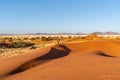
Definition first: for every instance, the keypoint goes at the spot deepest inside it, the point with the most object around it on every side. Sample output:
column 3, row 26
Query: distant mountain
column 106, row 33
column 57, row 34
column 80, row 33
column 112, row 33
column 97, row 33
column 6, row 34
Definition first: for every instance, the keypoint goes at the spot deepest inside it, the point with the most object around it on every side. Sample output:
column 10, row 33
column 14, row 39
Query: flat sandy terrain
column 92, row 60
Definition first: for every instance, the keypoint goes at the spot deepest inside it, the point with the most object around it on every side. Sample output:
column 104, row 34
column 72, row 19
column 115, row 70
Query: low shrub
column 16, row 45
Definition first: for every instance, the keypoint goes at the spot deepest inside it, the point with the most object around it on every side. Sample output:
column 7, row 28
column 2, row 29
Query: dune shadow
column 103, row 54
column 54, row 53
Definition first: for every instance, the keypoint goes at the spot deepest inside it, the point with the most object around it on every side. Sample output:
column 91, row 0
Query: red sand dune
column 93, row 60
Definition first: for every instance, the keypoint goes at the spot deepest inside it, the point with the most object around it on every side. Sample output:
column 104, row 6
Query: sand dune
column 93, row 60
column 8, row 65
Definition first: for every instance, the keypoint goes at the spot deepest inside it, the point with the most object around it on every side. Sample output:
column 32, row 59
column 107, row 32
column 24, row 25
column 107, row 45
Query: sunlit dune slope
column 109, row 48
column 8, row 65
column 93, row 60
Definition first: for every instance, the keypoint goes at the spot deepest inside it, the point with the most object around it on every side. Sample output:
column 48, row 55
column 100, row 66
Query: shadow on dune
column 55, row 52
column 103, row 54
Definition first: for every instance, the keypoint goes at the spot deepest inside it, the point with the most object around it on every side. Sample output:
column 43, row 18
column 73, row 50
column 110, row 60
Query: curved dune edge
column 9, row 64
column 109, row 48
column 23, row 62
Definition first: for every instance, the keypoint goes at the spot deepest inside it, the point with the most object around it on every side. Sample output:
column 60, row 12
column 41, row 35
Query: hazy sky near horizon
column 54, row 16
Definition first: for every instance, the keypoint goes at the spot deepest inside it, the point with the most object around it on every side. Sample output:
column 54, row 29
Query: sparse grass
column 12, row 52
column 11, row 46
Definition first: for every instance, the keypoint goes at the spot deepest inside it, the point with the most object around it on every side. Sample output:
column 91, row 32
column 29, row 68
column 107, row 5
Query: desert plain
column 75, row 60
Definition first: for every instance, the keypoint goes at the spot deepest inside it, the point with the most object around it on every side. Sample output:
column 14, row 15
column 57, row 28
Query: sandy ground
column 93, row 60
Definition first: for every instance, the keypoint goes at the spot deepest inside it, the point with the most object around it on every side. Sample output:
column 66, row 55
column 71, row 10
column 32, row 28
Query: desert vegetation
column 28, row 41
column 20, row 44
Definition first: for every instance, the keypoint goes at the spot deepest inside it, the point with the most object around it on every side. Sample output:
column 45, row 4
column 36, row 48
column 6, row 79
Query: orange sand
column 93, row 60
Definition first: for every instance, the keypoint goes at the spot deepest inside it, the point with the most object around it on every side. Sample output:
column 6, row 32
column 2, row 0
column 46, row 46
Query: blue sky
column 55, row 16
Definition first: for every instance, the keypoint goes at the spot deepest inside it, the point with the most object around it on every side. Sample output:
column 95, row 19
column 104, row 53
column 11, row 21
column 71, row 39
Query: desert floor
column 91, row 60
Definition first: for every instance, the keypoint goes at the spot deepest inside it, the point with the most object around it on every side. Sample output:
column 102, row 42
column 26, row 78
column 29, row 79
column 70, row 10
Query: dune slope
column 93, row 60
